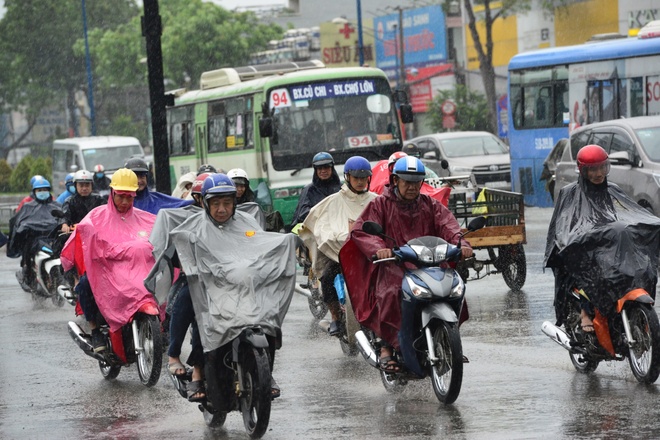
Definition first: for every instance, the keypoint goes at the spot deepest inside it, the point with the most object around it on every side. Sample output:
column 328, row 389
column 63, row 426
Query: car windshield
column 473, row 146
column 650, row 139
column 346, row 117
column 112, row 158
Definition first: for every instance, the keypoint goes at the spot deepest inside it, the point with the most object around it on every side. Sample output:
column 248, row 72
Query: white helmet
column 82, row 176
column 238, row 176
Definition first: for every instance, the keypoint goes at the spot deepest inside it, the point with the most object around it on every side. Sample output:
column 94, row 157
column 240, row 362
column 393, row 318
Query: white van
column 83, row 153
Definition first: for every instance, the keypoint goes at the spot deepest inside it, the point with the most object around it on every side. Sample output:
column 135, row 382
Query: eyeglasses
column 323, row 167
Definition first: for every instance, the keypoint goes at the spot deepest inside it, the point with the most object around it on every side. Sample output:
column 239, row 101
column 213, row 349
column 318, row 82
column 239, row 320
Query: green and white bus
column 270, row 120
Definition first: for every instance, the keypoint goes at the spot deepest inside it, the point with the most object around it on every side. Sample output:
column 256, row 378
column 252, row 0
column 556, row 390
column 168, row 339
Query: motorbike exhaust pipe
column 366, row 349
column 303, row 292
column 76, row 334
column 556, row 334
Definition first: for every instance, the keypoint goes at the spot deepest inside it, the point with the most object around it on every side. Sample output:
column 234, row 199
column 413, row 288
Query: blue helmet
column 68, row 180
column 322, row 158
column 35, row 177
column 410, row 169
column 357, row 166
column 218, row 184
column 40, row 182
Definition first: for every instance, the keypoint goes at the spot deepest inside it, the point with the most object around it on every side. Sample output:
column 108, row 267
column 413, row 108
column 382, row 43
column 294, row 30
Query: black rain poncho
column 601, row 241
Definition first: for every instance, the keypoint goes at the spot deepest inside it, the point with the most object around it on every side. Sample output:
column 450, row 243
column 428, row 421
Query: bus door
column 201, row 134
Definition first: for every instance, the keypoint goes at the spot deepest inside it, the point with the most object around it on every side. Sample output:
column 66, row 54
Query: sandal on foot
column 176, row 366
column 275, row 391
column 587, row 325
column 196, row 391
column 389, row 365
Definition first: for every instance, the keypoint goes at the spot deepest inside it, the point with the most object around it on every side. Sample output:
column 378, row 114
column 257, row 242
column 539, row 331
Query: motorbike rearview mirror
column 372, row 228
column 477, row 223
column 57, row 213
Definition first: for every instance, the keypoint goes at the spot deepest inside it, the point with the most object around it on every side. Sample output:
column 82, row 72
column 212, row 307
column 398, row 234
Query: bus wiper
column 294, row 172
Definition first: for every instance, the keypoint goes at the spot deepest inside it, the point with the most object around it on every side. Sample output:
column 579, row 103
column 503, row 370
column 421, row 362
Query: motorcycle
column 139, row 341
column 633, row 333
column 431, row 302
column 248, row 363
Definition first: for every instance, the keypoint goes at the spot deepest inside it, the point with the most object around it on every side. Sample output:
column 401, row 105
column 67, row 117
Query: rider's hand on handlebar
column 65, row 228
column 384, row 253
column 466, row 252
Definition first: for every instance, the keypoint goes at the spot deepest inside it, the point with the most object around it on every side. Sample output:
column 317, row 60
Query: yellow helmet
column 124, row 180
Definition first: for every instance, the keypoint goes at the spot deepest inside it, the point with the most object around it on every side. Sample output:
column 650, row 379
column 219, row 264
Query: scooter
column 138, row 341
column 633, row 333
column 431, row 302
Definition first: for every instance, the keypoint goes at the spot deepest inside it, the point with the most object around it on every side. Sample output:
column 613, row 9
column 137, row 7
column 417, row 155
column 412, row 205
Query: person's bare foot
column 175, row 367
column 586, row 323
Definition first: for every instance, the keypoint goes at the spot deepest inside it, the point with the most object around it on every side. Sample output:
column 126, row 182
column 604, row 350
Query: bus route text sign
column 283, row 97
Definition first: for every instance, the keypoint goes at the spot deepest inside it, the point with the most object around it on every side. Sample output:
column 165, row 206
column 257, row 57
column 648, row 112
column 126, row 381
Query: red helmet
column 592, row 156
column 394, row 157
column 197, row 184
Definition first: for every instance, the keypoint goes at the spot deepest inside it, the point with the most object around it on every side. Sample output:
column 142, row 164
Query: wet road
column 518, row 384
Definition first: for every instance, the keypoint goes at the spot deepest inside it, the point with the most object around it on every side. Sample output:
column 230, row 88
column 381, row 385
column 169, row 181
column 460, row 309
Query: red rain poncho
column 115, row 252
column 375, row 289
column 381, row 177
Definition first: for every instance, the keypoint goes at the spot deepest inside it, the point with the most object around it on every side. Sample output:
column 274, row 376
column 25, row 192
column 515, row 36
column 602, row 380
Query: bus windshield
column 345, row 117
column 112, row 158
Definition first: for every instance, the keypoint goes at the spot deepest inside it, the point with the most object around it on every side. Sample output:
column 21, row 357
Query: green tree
column 122, row 125
column 471, row 110
column 41, row 167
column 5, row 173
column 39, row 65
column 20, row 177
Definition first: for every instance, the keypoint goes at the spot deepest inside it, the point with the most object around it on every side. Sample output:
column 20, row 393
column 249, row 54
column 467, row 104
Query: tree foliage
column 471, row 110
column 42, row 166
column 5, row 173
column 20, row 177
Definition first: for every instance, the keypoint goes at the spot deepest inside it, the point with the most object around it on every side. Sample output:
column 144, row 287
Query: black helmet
column 206, row 168
column 137, row 165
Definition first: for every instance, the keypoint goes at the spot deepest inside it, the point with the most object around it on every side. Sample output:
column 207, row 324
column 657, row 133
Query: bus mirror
column 400, row 96
column 406, row 113
column 266, row 127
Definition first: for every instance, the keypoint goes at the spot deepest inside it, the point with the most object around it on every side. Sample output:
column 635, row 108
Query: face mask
column 43, row 195
column 99, row 175
column 71, row 189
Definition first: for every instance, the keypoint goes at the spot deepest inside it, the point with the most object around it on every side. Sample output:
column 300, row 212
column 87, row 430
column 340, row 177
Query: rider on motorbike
column 101, row 183
column 110, row 248
column 70, row 189
column 611, row 237
column 33, row 221
column 245, row 198
column 84, row 200
column 327, row 226
column 404, row 214
column 239, row 275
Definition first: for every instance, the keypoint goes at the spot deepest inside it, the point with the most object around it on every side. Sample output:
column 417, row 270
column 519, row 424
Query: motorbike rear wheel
column 108, row 371
column 644, row 353
column 447, row 373
column 316, row 304
column 150, row 358
column 513, row 265
column 255, row 401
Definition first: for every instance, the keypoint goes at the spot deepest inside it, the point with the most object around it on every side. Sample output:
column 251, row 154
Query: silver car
column 634, row 148
column 467, row 152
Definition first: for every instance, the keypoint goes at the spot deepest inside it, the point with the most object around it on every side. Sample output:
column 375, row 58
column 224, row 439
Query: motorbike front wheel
column 447, row 373
column 644, row 352
column 150, row 357
column 56, row 278
column 255, row 400
column 108, row 371
column 316, row 304
column 513, row 265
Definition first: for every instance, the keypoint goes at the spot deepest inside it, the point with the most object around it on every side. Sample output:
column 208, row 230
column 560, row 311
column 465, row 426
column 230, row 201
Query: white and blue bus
column 556, row 90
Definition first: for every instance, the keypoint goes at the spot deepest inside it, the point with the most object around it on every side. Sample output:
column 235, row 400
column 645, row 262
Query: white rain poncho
column 239, row 275
column 326, row 228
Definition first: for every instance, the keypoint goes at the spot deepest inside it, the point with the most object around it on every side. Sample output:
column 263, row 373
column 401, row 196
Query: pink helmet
column 394, row 157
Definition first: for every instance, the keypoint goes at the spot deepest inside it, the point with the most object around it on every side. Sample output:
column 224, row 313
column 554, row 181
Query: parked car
column 634, row 148
column 467, row 152
column 550, row 165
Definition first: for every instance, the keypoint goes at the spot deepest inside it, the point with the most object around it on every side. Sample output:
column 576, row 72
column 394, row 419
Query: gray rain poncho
column 601, row 241
column 238, row 274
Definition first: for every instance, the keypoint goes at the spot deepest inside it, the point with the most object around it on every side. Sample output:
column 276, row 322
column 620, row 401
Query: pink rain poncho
column 115, row 252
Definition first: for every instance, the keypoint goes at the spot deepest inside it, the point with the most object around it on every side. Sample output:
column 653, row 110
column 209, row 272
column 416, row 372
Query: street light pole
column 88, row 66
column 402, row 47
column 360, row 43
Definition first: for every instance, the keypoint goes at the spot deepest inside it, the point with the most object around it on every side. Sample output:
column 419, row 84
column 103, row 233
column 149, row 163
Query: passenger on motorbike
column 245, row 197
column 110, row 249
column 30, row 196
column 327, row 226
column 404, row 214
column 324, row 183
column 33, row 221
column 70, row 189
column 101, row 183
column 146, row 200
column 182, row 190
column 248, row 281
column 84, row 200
column 587, row 213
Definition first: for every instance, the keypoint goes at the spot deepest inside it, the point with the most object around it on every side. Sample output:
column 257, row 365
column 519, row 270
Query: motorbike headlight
column 417, row 290
column 424, row 254
column 440, row 253
column 458, row 288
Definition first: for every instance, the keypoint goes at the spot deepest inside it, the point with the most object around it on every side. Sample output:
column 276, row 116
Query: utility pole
column 152, row 30
column 88, row 67
column 360, row 43
column 402, row 49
